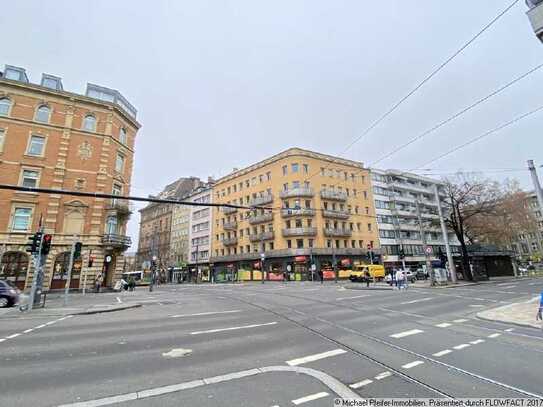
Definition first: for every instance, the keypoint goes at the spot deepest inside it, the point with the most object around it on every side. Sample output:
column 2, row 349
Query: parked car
column 421, row 274
column 9, row 294
column 408, row 273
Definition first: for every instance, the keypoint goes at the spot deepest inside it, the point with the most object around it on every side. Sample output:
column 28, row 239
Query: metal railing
column 267, row 217
column 297, row 192
column 327, row 213
column 261, row 200
column 334, row 195
column 230, row 225
column 116, row 240
column 229, row 241
column 288, row 212
column 261, row 236
column 337, row 232
column 299, row 231
column 227, row 210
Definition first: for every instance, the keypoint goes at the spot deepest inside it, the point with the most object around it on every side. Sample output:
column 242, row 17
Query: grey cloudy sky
column 222, row 84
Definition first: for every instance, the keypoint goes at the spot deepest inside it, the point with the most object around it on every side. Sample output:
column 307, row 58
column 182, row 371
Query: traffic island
column 520, row 313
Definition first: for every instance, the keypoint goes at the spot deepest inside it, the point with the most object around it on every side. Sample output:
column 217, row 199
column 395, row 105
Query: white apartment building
column 200, row 228
column 396, row 194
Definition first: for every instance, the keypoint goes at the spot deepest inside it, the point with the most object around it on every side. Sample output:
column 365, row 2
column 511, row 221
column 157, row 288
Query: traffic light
column 46, row 244
column 91, row 260
column 34, row 244
column 402, row 254
column 77, row 250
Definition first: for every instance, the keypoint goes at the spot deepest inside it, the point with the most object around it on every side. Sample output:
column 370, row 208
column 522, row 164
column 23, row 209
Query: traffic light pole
column 425, row 245
column 69, row 278
column 450, row 260
column 37, row 271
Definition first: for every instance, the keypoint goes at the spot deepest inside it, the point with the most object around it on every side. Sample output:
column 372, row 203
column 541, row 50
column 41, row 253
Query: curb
column 520, row 324
column 17, row 315
column 369, row 288
column 104, row 310
column 508, row 322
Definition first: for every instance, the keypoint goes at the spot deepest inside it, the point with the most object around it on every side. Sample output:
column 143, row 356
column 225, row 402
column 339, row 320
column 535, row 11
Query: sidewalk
column 520, row 313
column 78, row 304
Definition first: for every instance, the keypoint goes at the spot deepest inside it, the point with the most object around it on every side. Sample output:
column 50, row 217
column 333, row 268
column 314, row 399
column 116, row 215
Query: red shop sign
column 256, row 265
column 345, row 262
column 300, row 259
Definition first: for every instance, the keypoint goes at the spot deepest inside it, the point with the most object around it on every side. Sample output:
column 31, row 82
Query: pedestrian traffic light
column 91, row 260
column 34, row 243
column 77, row 250
column 46, row 244
column 402, row 254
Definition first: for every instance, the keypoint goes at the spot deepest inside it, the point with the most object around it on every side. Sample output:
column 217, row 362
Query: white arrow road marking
column 232, row 328
column 311, row 397
column 317, row 356
column 406, row 333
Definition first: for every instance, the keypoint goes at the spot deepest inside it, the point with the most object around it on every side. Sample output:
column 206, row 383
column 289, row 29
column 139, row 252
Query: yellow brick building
column 321, row 212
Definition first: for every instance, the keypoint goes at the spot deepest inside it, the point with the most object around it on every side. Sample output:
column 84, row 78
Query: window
column 289, row 244
column 285, row 187
column 2, row 138
column 294, row 167
column 271, row 245
column 365, row 194
column 89, row 123
column 30, row 178
column 42, row 114
column 306, row 168
column 119, row 163
column 36, row 145
column 268, row 176
column 21, row 219
column 295, row 184
column 300, row 243
column 122, row 135
column 369, row 227
column 285, row 170
column 5, row 105
column 261, row 178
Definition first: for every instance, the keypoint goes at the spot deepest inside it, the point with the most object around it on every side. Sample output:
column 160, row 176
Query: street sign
column 108, row 259
column 262, row 256
column 289, row 267
column 313, row 267
column 154, row 258
column 428, row 250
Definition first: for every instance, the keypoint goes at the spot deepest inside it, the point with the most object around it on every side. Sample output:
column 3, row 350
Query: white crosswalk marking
column 383, row 375
column 317, row 356
column 406, row 333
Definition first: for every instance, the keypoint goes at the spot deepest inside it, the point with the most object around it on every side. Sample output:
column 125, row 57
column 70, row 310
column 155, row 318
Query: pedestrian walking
column 539, row 316
column 367, row 276
column 400, row 279
column 98, row 282
column 131, row 283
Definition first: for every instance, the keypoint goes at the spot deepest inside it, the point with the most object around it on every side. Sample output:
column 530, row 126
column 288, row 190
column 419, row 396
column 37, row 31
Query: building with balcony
column 535, row 15
column 53, row 138
column 303, row 208
column 396, row 195
column 528, row 244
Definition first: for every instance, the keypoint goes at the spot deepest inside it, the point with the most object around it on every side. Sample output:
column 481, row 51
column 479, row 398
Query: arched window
column 5, row 105
column 111, row 225
column 89, row 123
column 13, row 267
column 60, row 272
column 42, row 114
column 122, row 135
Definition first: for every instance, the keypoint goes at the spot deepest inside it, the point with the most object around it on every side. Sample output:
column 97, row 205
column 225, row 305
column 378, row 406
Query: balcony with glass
column 230, row 241
column 230, row 225
column 261, row 200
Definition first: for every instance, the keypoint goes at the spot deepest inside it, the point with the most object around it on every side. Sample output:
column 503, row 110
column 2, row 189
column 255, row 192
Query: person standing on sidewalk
column 539, row 316
column 98, row 282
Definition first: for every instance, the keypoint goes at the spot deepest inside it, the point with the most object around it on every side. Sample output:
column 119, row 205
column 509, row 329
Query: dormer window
column 51, row 82
column 89, row 123
column 15, row 73
column 42, row 114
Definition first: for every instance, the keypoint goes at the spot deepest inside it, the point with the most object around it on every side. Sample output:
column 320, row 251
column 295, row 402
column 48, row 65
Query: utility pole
column 452, row 268
column 537, row 185
column 262, row 256
column 334, row 265
column 70, row 266
column 196, row 259
column 37, row 272
column 424, row 244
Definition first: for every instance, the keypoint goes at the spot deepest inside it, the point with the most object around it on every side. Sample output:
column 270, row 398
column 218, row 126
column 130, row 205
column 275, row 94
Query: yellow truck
column 360, row 271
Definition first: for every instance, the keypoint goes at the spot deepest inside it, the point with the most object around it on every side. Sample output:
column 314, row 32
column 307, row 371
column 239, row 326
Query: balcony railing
column 122, row 206
column 297, row 192
column 227, row 210
column 299, row 232
column 261, row 200
column 333, row 195
column 230, row 241
column 118, row 241
column 267, row 217
column 288, row 212
column 335, row 214
column 261, row 236
column 230, row 225
column 337, row 232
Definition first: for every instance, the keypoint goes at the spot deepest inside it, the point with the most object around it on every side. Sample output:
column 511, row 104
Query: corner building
column 321, row 212
column 54, row 139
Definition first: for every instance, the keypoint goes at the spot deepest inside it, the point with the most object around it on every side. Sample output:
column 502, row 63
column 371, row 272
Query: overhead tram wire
column 457, row 115
column 481, row 136
column 425, row 80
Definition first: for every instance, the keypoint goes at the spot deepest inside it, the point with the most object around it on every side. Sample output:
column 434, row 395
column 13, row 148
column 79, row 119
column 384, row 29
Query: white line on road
column 118, row 300
column 39, row 326
column 2, row 340
column 350, row 298
column 406, row 333
column 442, row 353
column 311, row 397
column 413, row 364
column 502, row 284
column 494, row 335
column 477, row 341
column 28, row 330
column 205, row 313
column 459, row 321
column 462, row 346
column 361, row 384
column 13, row 336
column 415, row 301
column 317, row 356
column 383, row 375
column 444, row 325
column 477, row 306
column 509, row 330
column 232, row 328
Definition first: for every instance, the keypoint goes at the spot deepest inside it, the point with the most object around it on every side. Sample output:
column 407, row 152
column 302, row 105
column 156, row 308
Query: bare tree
column 470, row 198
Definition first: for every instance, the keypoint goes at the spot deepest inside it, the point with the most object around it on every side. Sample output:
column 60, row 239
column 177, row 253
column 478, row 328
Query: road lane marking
column 406, row 333
column 442, row 353
column 412, row 364
column 199, row 314
column 478, row 341
column 350, row 298
column 232, row 328
column 444, row 325
column 28, row 330
column 317, row 356
column 415, row 301
column 2, row 340
column 361, row 384
column 477, row 306
column 494, row 335
column 311, row 397
column 509, row 287
column 13, row 336
column 502, row 284
column 462, row 346
column 39, row 326
column 509, row 330
column 459, row 321
column 383, row 375
column 118, row 300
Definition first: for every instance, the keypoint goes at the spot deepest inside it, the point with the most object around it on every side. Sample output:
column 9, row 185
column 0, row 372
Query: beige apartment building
column 319, row 211
column 55, row 139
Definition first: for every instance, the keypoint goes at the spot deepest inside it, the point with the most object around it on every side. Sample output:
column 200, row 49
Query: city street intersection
column 272, row 344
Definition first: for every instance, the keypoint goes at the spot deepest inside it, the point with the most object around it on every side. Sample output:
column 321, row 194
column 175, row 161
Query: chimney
column 210, row 180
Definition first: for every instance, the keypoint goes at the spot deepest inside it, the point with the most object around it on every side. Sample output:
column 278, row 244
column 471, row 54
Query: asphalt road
column 274, row 344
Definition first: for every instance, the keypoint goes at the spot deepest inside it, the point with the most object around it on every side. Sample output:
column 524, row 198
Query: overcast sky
column 222, row 84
